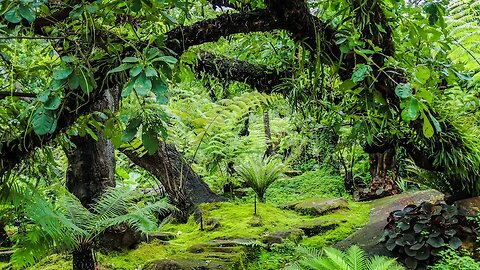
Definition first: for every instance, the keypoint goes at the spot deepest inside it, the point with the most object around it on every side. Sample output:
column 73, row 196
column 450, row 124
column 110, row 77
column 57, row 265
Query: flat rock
column 316, row 227
column 278, row 237
column 183, row 264
column 220, row 245
column 318, row 207
column 369, row 236
column 162, row 236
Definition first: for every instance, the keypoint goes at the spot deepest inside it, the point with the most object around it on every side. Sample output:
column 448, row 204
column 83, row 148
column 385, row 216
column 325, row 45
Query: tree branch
column 183, row 37
column 228, row 69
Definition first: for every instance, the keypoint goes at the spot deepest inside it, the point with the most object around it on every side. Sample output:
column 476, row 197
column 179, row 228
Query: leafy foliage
column 259, row 173
column 66, row 224
column 322, row 182
column 419, row 233
column 353, row 258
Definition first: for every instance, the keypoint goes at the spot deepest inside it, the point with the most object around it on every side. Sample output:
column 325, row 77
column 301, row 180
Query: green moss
column 322, row 183
column 54, row 262
column 355, row 218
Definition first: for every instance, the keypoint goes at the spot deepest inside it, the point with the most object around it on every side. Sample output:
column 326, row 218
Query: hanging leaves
column 44, row 121
column 361, row 71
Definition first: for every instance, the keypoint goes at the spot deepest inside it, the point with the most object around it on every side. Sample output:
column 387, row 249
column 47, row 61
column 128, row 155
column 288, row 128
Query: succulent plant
column 418, row 233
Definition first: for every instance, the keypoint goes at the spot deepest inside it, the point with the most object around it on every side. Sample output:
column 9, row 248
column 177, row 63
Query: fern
column 353, row 259
column 259, row 174
column 464, row 29
column 67, row 224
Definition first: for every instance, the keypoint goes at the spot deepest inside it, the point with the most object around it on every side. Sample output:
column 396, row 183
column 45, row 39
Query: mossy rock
column 319, row 226
column 183, row 264
column 319, row 207
column 162, row 236
column 295, row 235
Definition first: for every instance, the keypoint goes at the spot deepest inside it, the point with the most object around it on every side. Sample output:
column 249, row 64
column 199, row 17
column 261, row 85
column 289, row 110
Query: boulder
column 369, row 236
column 318, row 207
column 472, row 205
column 295, row 235
column 318, row 226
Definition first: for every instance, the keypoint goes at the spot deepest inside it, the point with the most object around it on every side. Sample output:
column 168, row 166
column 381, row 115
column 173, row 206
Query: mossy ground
column 237, row 221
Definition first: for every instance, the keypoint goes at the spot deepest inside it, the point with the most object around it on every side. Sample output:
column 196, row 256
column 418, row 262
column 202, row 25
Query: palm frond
column 356, row 258
column 113, row 202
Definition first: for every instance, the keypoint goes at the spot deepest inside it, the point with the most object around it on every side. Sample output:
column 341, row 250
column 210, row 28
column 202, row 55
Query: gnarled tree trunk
column 382, row 161
column 184, row 187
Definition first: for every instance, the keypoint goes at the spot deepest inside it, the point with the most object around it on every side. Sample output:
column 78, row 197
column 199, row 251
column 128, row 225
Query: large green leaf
column 13, row 15
column 52, row 103
column 403, row 90
column 62, row 73
column 44, row 121
column 411, row 110
column 26, row 13
column 150, row 141
column 427, row 128
column 142, row 85
column 360, row 72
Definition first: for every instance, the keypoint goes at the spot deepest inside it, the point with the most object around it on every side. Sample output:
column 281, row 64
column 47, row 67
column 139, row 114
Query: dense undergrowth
column 237, row 221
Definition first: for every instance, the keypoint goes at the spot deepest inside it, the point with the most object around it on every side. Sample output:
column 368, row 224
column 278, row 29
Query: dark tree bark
column 91, row 163
column 83, row 258
column 91, row 170
column 382, row 161
column 268, row 134
column 184, row 187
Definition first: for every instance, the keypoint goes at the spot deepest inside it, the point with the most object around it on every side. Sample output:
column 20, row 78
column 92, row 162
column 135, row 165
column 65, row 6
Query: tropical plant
column 352, row 259
column 67, row 225
column 259, row 174
column 419, row 233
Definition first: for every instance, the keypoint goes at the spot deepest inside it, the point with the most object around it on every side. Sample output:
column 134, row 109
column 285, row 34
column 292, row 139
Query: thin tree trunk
column 268, row 134
column 184, row 187
column 83, row 258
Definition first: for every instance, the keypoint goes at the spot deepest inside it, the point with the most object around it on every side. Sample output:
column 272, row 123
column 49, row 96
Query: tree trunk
column 91, row 170
column 184, row 187
column 382, row 161
column 268, row 134
column 83, row 258
column 91, row 163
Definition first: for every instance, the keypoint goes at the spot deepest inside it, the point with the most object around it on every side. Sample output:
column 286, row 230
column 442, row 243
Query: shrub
column 259, row 174
column 419, row 233
column 451, row 260
column 320, row 183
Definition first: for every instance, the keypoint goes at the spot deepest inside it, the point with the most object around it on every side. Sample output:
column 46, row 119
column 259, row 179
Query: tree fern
column 259, row 174
column 463, row 25
column 67, row 224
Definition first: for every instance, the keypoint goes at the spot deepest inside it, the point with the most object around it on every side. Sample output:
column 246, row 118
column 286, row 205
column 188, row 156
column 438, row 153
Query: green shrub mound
column 322, row 183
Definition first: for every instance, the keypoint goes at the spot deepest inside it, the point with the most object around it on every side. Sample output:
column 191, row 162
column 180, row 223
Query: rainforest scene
column 240, row 134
